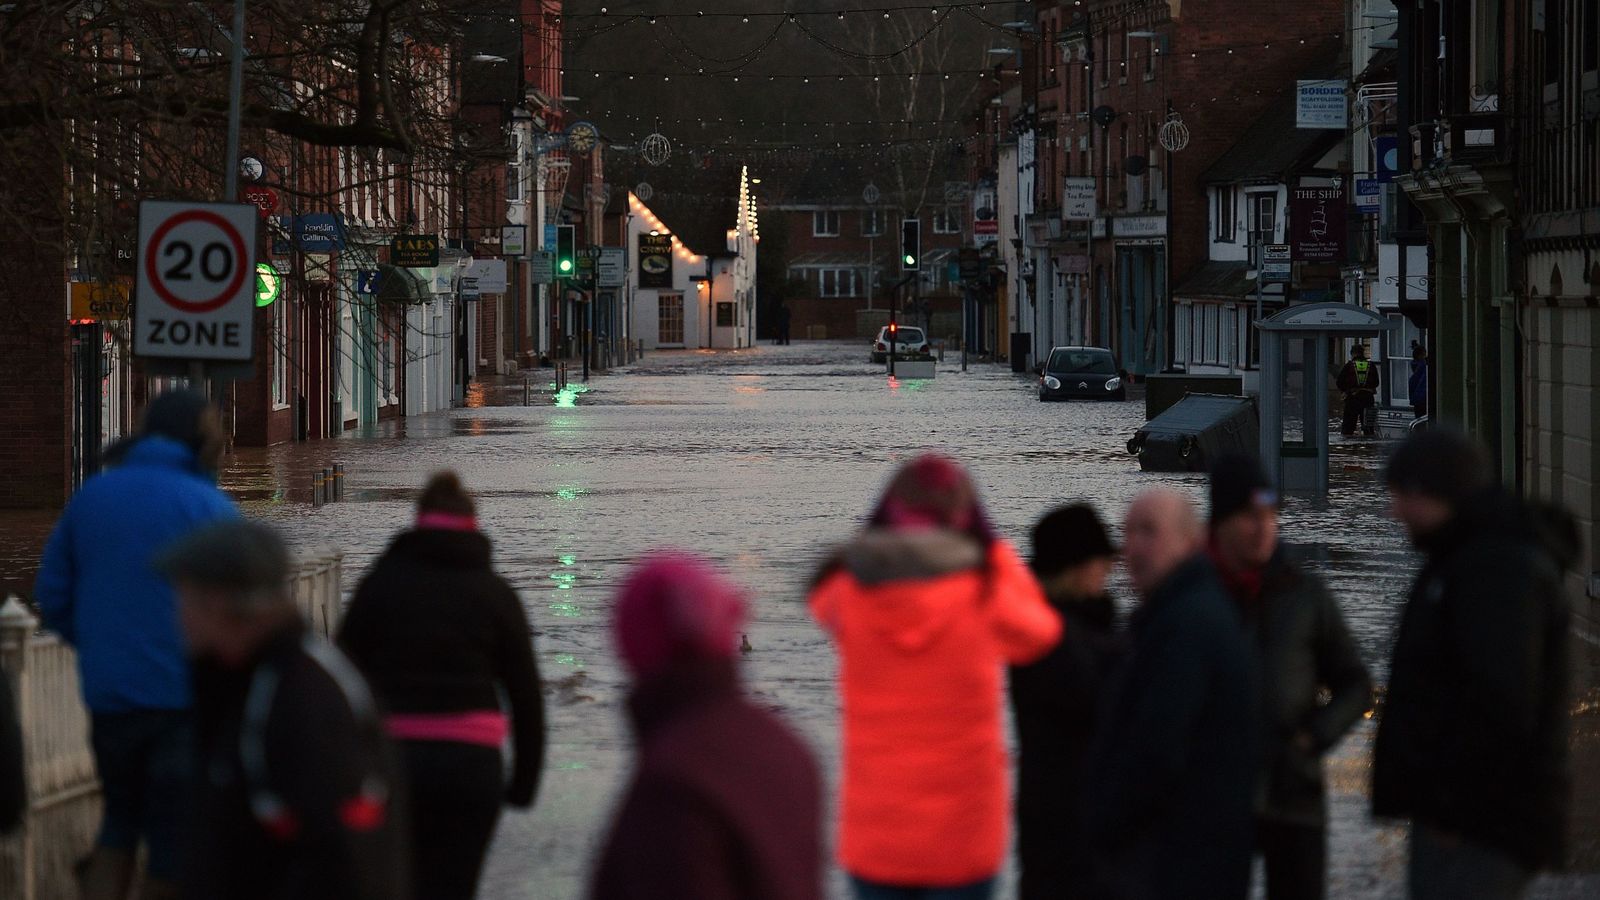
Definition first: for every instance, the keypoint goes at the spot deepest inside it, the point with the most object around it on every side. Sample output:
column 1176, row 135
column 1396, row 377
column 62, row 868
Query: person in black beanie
column 1304, row 650
column 1472, row 741
column 1055, row 700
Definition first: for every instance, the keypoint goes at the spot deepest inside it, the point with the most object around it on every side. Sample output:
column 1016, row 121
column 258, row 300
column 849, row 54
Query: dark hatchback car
column 1081, row 373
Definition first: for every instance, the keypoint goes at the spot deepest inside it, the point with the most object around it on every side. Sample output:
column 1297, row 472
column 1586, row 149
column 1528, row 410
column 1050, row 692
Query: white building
column 692, row 275
column 1248, row 193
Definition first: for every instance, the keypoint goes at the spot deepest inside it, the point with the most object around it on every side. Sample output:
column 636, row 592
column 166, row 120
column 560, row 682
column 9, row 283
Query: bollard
column 327, row 485
column 527, row 391
column 338, row 481
column 316, row 487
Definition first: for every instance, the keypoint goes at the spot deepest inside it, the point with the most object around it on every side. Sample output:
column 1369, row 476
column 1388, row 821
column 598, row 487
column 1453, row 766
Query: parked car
column 1081, row 373
column 907, row 339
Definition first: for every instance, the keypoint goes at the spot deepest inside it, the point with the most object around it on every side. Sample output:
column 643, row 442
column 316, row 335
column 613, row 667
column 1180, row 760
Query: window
column 1263, row 223
column 513, row 184
column 669, row 319
column 947, row 220
column 871, row 222
column 1080, row 362
column 724, row 314
column 825, row 223
column 837, row 283
column 1224, row 214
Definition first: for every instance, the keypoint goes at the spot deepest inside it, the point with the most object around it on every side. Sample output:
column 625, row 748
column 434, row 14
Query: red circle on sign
column 196, row 306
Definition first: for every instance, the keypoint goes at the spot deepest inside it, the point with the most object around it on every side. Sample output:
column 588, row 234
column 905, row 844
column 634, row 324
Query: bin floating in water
column 1192, row 433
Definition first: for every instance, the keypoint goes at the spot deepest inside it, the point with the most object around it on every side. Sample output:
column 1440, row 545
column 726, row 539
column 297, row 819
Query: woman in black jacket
column 439, row 636
column 1055, row 701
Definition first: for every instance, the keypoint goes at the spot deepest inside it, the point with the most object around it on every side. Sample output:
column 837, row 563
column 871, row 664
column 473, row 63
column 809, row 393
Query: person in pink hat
column 725, row 800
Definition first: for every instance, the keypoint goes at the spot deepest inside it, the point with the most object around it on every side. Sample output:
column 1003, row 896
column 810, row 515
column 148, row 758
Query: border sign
column 195, row 294
column 1321, row 103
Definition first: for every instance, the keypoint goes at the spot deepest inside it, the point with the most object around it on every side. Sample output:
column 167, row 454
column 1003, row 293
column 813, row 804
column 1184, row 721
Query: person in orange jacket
column 927, row 606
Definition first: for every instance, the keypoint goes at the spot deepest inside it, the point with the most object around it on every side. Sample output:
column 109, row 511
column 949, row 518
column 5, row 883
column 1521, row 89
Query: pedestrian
column 13, row 777
column 1172, row 774
column 1359, row 380
column 1472, row 742
column 1055, row 701
column 295, row 794
column 441, row 637
column 98, row 590
column 785, row 316
column 1304, row 653
column 725, row 801
column 1418, row 385
column 926, row 606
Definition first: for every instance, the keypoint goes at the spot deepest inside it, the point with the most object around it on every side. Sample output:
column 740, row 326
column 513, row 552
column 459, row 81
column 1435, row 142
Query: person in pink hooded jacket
column 927, row 606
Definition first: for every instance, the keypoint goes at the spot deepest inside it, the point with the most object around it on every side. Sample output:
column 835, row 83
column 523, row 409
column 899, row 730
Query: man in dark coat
column 1359, row 380
column 1305, row 650
column 1173, row 771
column 1055, row 701
column 295, row 780
column 1472, row 743
column 725, row 800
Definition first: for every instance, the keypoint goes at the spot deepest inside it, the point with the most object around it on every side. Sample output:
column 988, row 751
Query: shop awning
column 397, row 284
column 1218, row 279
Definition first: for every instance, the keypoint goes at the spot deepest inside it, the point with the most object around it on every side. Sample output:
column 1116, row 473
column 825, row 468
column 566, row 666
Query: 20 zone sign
column 195, row 298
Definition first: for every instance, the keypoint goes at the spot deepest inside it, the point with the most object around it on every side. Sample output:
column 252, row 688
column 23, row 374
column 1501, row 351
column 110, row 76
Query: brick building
column 846, row 252
column 1101, row 79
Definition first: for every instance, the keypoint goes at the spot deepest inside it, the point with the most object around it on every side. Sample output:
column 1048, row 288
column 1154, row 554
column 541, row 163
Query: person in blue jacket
column 98, row 588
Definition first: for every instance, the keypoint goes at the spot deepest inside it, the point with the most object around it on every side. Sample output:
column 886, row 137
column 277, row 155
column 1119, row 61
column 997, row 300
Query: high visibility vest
column 1361, row 372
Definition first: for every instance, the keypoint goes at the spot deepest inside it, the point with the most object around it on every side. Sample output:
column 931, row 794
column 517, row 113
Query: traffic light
column 566, row 251
column 910, row 245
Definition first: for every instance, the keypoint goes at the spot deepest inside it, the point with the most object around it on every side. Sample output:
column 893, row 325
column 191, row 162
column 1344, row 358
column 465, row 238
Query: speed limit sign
column 195, row 291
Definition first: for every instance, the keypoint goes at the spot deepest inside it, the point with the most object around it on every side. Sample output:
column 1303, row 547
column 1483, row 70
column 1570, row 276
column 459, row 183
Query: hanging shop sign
column 655, row 260
column 1368, row 191
column 318, row 233
column 262, row 197
column 414, row 251
column 1322, row 103
column 1317, row 223
column 542, row 266
column 368, row 281
column 269, row 284
column 513, row 240
column 488, row 275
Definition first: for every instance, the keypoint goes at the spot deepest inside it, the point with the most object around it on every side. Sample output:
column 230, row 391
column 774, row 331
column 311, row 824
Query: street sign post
column 613, row 267
column 542, row 266
column 1277, row 264
column 194, row 292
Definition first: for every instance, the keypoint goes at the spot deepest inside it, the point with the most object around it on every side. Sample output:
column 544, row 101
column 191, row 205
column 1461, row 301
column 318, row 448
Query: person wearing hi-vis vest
column 1359, row 380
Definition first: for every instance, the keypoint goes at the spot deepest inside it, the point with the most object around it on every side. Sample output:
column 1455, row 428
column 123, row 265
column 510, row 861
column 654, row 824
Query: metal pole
column 235, row 92
column 966, row 312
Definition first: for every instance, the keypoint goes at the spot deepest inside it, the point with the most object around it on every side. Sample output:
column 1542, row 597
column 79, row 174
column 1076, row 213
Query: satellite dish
column 1135, row 165
column 1103, row 116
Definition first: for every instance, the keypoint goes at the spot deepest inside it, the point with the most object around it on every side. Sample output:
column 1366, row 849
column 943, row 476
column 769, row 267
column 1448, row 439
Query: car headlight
column 1113, row 383
column 1052, row 382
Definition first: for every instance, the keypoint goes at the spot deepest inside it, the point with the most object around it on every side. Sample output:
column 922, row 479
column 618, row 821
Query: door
column 670, row 319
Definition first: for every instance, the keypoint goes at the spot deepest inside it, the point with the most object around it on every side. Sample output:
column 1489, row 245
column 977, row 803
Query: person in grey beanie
column 1472, row 739
column 296, row 790
column 1305, row 652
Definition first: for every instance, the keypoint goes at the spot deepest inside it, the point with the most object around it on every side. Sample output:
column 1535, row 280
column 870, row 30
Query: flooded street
column 762, row 459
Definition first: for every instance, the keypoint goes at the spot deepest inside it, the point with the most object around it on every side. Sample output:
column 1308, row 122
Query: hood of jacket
column 898, row 573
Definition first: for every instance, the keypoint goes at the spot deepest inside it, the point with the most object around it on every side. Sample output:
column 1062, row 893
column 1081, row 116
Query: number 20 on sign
column 196, row 294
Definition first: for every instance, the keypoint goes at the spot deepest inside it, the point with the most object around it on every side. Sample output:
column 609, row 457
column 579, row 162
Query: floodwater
column 763, row 459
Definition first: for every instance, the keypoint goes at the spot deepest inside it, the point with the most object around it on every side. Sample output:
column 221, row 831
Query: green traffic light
column 910, row 260
column 566, row 265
